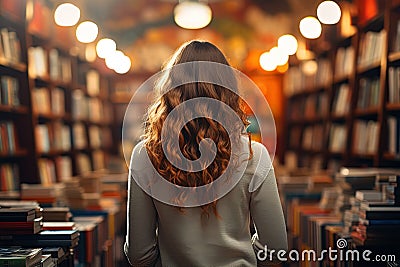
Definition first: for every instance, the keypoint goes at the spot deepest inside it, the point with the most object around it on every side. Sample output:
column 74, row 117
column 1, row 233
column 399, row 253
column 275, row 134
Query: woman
column 217, row 231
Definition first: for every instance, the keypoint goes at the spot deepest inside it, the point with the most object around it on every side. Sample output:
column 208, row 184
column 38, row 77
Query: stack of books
column 78, row 199
column 20, row 221
column 17, row 256
column 378, row 213
column 379, row 225
column 57, row 214
column 22, row 224
column 46, row 195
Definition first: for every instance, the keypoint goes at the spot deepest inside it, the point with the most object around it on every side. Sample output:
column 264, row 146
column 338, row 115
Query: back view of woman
column 215, row 232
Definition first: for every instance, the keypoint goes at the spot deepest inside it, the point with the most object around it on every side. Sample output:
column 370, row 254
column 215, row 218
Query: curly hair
column 196, row 129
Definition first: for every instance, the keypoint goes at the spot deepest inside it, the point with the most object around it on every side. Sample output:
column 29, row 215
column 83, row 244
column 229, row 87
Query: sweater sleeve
column 267, row 214
column 140, row 246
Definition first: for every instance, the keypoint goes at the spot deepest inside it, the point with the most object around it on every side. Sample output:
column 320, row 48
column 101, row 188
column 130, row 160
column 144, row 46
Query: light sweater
column 161, row 235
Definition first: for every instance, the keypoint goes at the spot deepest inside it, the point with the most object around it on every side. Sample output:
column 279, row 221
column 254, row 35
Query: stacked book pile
column 29, row 257
column 57, row 214
column 53, row 195
column 379, row 214
column 349, row 181
column 22, row 225
column 20, row 220
column 329, row 198
column 379, row 225
column 78, row 198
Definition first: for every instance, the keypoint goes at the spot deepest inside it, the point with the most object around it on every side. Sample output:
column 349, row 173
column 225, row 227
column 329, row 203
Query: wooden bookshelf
column 42, row 78
column 373, row 51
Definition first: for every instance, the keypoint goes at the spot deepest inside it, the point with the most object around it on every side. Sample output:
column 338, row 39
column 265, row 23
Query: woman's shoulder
column 259, row 166
column 139, row 158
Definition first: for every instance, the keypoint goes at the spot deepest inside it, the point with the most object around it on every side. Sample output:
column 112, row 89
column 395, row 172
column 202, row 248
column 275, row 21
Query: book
column 387, row 214
column 9, row 92
column 83, row 163
column 369, row 195
column 366, row 137
column 47, row 171
column 79, row 105
column 16, row 257
column 6, row 44
column 57, row 101
column 16, row 227
column 369, row 90
column 393, row 135
column 341, row 102
column 396, row 45
column 42, row 136
column 8, row 139
column 344, row 64
column 371, row 48
column 337, row 138
column 94, row 136
column 16, row 214
column 98, row 160
column 59, row 226
column 46, row 261
column 63, row 168
column 41, row 100
column 93, row 82
column 37, row 62
column 394, row 84
column 58, row 235
column 79, row 136
column 56, row 253
column 47, row 238
column 9, row 177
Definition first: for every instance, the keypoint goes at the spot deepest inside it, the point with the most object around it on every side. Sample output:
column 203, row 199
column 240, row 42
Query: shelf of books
column 56, row 120
column 358, row 103
column 334, row 217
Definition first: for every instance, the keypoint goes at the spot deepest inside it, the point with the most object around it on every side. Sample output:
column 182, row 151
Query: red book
column 31, row 227
column 59, row 226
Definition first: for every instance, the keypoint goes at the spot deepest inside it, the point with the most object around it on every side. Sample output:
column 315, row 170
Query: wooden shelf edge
column 16, row 154
column 341, row 79
column 18, row 66
column 391, row 156
column 369, row 68
column 14, row 109
column 369, row 156
column 366, row 112
column 393, row 106
column 53, row 153
column 394, row 56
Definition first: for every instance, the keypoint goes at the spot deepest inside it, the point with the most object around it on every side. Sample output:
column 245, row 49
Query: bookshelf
column 56, row 115
column 361, row 126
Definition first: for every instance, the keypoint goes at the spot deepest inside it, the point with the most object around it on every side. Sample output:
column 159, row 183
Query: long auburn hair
column 197, row 129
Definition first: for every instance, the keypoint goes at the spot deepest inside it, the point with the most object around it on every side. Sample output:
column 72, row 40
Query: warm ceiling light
column 309, row 67
column 328, row 12
column 114, row 59
column 105, row 47
column 86, row 32
column 267, row 62
column 67, row 15
column 279, row 56
column 123, row 66
column 192, row 15
column 288, row 44
column 310, row 27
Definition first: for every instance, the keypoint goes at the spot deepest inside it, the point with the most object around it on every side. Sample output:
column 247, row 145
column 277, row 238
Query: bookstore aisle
column 335, row 103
